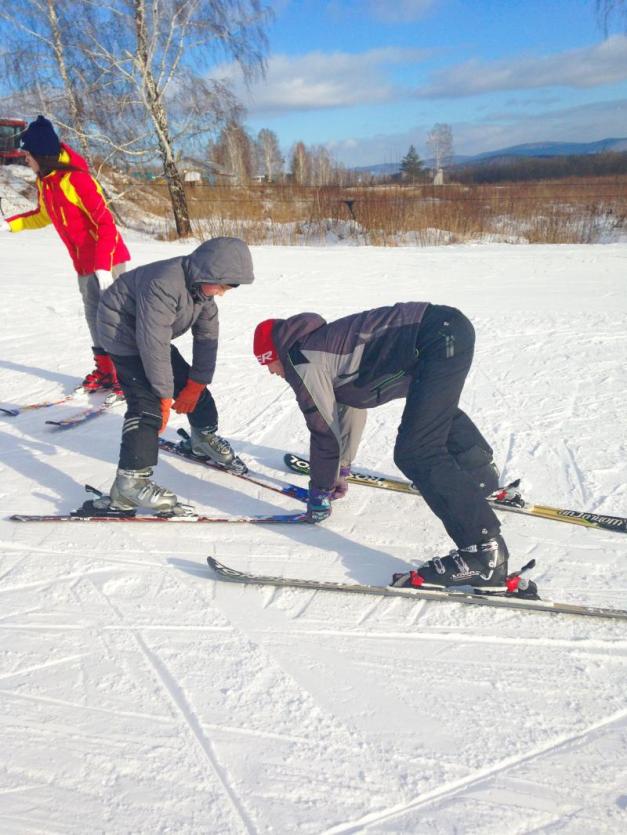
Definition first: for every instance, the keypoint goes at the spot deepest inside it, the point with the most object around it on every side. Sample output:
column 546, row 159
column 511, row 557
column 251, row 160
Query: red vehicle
column 10, row 132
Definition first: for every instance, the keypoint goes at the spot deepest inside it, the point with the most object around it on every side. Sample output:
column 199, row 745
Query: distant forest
column 517, row 169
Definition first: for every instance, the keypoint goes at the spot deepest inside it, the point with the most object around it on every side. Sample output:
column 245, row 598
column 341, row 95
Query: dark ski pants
column 142, row 421
column 436, row 440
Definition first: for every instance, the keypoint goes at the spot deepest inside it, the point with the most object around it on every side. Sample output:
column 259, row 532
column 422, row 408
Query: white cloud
column 594, row 66
column 323, row 80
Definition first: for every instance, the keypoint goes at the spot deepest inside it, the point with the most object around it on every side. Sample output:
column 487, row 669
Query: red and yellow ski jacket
column 73, row 202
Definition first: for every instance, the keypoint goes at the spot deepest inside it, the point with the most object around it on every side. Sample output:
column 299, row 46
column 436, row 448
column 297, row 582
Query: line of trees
column 521, row 169
column 241, row 158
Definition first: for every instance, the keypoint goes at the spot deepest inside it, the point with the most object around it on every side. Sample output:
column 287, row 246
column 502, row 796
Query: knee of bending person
column 474, row 457
column 140, row 399
column 402, row 455
column 478, row 463
column 486, row 478
column 413, row 461
column 151, row 419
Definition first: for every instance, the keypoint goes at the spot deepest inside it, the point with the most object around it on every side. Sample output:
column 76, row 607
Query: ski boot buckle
column 179, row 509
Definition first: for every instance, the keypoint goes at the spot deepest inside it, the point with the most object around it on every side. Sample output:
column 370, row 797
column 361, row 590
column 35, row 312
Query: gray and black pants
column 142, row 421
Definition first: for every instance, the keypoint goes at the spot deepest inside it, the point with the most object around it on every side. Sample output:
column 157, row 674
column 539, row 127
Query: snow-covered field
column 140, row 695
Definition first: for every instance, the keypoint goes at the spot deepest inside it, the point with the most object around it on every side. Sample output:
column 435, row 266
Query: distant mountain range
column 532, row 149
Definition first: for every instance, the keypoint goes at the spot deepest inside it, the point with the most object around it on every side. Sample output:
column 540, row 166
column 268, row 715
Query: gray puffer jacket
column 146, row 308
column 340, row 369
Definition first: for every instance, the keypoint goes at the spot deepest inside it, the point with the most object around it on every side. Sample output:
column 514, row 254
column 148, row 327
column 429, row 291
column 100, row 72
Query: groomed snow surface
column 140, row 695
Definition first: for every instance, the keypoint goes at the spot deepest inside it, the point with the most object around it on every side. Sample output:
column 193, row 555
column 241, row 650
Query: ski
column 223, row 572
column 182, row 450
column 45, row 404
column 507, row 499
column 279, row 518
column 86, row 414
column 92, row 511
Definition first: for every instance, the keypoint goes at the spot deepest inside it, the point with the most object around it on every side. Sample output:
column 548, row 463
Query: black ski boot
column 482, row 566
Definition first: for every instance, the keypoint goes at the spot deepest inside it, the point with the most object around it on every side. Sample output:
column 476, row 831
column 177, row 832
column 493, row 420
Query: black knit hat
column 40, row 139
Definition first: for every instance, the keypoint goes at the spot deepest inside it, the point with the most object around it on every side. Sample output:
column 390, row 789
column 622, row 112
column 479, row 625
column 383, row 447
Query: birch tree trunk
column 159, row 118
column 59, row 54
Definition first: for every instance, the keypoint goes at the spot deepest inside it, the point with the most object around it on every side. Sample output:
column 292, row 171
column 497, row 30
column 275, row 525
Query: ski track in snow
column 481, row 775
column 139, row 694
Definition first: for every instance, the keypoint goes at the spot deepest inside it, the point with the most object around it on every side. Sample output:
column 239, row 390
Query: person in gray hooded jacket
column 138, row 317
column 419, row 352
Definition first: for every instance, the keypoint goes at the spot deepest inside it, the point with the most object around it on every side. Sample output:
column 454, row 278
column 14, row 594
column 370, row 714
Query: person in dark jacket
column 420, row 352
column 138, row 317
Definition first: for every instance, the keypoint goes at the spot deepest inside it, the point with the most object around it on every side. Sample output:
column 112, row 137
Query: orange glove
column 188, row 397
column 166, row 404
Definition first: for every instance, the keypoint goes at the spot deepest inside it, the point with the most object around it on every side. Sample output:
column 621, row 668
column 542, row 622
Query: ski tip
column 294, row 462
column 10, row 412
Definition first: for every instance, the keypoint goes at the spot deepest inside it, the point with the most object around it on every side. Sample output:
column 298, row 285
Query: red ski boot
column 116, row 389
column 103, row 376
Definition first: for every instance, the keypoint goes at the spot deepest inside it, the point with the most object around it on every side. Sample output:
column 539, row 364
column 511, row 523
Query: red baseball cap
column 263, row 344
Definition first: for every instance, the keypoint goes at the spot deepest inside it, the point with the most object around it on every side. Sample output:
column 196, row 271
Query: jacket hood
column 219, row 261
column 72, row 157
column 286, row 332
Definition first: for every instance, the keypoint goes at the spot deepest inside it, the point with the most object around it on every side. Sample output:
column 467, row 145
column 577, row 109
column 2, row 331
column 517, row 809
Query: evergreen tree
column 411, row 164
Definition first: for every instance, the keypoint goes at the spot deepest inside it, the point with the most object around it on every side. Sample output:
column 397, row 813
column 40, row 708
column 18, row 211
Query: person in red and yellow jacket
column 72, row 201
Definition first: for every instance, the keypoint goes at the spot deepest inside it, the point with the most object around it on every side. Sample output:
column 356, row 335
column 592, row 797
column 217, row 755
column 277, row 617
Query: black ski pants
column 142, row 421
column 436, row 438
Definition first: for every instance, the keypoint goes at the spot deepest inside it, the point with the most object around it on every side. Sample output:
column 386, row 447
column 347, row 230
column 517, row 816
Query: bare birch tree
column 321, row 166
column 300, row 164
column 131, row 82
column 269, row 153
column 234, row 152
column 440, row 143
column 42, row 64
column 149, row 54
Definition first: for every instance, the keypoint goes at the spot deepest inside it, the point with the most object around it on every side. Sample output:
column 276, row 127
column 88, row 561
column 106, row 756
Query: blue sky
column 367, row 78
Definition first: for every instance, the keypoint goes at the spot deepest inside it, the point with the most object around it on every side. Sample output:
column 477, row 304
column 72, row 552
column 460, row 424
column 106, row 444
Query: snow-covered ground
column 140, row 695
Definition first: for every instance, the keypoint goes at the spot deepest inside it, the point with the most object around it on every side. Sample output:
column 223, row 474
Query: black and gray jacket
column 146, row 308
column 339, row 370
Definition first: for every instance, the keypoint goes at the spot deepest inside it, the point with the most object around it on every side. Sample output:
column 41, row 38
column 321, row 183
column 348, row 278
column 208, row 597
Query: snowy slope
column 139, row 695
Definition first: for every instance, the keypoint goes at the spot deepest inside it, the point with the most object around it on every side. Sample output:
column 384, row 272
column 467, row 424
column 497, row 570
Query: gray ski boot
column 206, row 444
column 133, row 488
